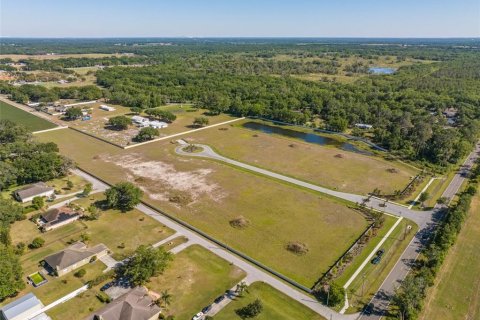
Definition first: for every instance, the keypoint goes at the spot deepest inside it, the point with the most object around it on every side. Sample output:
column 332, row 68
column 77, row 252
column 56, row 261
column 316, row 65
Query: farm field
column 276, row 305
column 33, row 123
column 213, row 197
column 456, row 294
column 327, row 166
column 194, row 279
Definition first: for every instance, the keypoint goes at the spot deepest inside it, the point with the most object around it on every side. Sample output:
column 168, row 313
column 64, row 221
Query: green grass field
column 33, row 123
column 321, row 165
column 456, row 294
column 216, row 194
column 276, row 305
column 194, row 279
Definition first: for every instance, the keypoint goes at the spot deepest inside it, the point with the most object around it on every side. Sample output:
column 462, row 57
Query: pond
column 381, row 70
column 305, row 136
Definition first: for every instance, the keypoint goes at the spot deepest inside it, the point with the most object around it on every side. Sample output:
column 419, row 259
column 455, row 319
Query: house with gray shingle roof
column 73, row 257
column 27, row 193
column 58, row 217
column 133, row 305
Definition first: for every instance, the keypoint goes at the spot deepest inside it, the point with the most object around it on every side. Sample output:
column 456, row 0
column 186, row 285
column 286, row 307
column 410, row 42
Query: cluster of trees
column 160, row 114
column 146, row 134
column 409, row 297
column 119, row 122
column 29, row 92
column 123, row 196
column 145, row 263
column 23, row 160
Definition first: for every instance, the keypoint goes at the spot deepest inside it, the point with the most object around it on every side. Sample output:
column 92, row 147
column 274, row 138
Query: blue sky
column 240, row 18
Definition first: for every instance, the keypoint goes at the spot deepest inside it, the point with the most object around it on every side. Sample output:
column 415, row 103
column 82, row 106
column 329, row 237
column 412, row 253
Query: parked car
column 219, row 299
column 368, row 309
column 376, row 260
column 198, row 316
column 380, row 252
column 106, row 286
column 206, row 309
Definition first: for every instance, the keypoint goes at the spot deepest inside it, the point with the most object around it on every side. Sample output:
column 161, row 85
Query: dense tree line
column 36, row 93
column 409, row 297
column 405, row 109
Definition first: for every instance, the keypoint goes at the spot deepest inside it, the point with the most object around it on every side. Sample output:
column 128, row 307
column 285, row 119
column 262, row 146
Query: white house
column 106, row 108
column 363, row 126
column 26, row 307
column 33, row 104
column 158, row 124
column 27, row 193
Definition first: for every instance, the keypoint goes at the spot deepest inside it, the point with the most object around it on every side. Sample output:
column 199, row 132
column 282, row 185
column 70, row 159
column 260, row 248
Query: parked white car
column 198, row 316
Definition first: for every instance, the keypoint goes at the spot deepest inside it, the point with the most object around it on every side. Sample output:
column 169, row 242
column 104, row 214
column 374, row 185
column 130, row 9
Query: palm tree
column 166, row 298
column 241, row 288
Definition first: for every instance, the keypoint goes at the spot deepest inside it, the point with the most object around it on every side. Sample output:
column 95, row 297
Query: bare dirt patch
column 162, row 181
column 239, row 222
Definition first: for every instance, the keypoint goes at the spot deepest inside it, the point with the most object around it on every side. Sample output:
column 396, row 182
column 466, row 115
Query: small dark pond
column 381, row 70
column 305, row 136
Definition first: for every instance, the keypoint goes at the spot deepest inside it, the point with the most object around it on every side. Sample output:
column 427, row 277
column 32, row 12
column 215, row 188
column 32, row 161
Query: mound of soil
column 298, row 248
column 339, row 155
column 392, row 170
column 239, row 222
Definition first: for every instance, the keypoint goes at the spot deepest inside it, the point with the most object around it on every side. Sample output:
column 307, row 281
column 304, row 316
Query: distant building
column 363, row 126
column 27, row 193
column 158, row 124
column 74, row 256
column 58, row 217
column 106, row 108
column 26, row 307
column 133, row 305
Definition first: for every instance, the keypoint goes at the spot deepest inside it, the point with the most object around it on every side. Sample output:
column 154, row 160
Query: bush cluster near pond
column 30, row 121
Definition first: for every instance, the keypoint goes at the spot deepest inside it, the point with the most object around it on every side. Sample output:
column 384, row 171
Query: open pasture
column 327, row 166
column 253, row 214
column 31, row 122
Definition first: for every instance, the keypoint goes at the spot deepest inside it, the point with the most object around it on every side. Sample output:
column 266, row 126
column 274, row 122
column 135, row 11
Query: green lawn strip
column 33, row 123
column 358, row 260
column 456, row 293
column 276, row 305
column 194, row 279
column 435, row 191
column 373, row 275
column 78, row 307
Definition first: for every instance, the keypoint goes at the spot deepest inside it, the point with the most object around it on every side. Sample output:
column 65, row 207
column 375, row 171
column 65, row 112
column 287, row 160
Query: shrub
column 80, row 273
column 298, row 248
column 239, row 222
column 36, row 243
column 251, row 310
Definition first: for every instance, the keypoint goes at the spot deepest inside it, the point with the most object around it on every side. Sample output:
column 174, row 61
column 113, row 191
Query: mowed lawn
column 276, row 305
column 456, row 295
column 209, row 195
column 327, row 166
column 33, row 123
column 194, row 279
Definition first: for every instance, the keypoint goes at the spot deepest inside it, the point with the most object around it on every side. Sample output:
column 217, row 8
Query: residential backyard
column 276, row 305
column 325, row 165
column 195, row 278
column 254, row 214
column 30, row 121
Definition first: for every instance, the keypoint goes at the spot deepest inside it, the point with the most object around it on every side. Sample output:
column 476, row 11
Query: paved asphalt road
column 381, row 300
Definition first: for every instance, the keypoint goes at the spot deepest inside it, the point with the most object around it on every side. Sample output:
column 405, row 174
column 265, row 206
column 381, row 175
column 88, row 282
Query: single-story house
column 58, row 217
column 363, row 126
column 158, row 124
column 33, row 104
column 133, row 305
column 27, row 193
column 140, row 120
column 106, row 108
column 74, row 256
column 26, row 307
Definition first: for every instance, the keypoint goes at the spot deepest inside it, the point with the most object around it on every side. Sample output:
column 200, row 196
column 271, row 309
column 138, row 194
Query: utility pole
column 328, row 294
